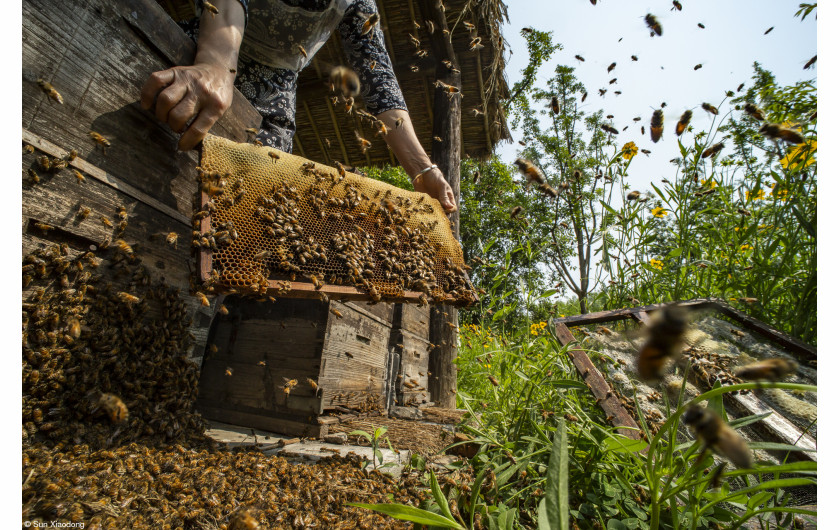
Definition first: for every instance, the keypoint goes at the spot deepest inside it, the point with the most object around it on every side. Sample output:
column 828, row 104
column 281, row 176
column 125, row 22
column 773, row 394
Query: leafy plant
column 375, row 442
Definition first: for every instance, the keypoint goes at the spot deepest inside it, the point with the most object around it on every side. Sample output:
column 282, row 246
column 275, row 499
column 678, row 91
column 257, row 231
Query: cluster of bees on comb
column 326, row 231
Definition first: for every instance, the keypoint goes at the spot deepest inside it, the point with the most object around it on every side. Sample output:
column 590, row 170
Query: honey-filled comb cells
column 272, row 222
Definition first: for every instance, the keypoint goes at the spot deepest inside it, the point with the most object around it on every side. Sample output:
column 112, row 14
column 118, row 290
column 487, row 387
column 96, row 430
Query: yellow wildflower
column 659, row 212
column 712, row 183
column 757, row 196
column 656, row 264
column 629, row 150
column 798, row 153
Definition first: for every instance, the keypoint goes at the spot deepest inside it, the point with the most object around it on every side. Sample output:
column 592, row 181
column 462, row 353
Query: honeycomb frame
column 273, row 223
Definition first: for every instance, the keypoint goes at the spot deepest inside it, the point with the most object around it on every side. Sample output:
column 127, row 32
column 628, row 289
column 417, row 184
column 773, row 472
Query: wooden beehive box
column 410, row 347
column 261, row 346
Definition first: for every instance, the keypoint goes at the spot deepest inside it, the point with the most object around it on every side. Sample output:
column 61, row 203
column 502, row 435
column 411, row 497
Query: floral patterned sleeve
column 199, row 8
column 369, row 58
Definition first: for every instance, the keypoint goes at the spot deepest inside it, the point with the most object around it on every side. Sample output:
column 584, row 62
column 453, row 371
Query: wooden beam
column 300, row 147
column 616, row 414
column 483, row 101
column 337, row 131
column 317, row 134
column 447, row 155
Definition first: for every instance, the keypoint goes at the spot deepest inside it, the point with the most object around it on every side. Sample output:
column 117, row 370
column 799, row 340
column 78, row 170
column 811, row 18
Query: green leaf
column 567, row 383
column 716, row 403
column 548, row 293
column 622, row 444
column 440, row 498
column 556, row 514
column 360, row 433
column 379, row 432
column 503, row 312
column 410, row 513
column 615, row 524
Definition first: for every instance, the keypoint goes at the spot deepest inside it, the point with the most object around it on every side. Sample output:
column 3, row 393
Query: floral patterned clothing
column 270, row 57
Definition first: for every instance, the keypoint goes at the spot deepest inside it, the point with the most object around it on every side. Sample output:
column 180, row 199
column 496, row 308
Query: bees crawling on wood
column 50, row 91
column 100, row 140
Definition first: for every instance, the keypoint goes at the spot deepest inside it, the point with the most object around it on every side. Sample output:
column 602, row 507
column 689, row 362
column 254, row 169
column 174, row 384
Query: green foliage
column 393, row 175
column 375, row 441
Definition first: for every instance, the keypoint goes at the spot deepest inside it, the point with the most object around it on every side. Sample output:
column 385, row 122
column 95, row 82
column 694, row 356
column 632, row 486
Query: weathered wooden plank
column 612, row 407
column 620, row 314
column 382, row 311
column 284, row 424
column 98, row 61
column 413, row 319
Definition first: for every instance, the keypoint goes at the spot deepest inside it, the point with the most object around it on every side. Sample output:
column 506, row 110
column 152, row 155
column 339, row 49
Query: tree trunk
column 447, row 155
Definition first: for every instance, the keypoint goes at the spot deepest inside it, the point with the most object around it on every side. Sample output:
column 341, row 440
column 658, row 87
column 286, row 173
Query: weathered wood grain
column 612, row 407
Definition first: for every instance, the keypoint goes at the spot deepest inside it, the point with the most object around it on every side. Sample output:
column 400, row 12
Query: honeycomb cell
column 285, row 218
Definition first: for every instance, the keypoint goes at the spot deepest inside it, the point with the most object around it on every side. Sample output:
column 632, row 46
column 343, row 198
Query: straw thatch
column 482, row 78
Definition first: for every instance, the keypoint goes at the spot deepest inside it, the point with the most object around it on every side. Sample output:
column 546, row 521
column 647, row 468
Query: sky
column 732, row 40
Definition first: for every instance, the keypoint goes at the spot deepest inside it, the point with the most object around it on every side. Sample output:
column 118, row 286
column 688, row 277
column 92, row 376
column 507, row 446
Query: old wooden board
column 413, row 319
column 286, row 424
column 353, row 360
column 98, row 61
column 413, row 376
column 616, row 414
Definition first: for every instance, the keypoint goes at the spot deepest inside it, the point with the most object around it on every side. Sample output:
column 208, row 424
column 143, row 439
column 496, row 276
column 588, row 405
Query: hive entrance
column 275, row 222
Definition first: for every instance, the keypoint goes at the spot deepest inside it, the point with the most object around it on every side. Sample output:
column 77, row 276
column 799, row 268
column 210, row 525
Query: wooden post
column 447, row 155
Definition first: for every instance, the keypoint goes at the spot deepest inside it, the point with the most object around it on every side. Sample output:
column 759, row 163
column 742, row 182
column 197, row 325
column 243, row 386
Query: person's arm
column 190, row 99
column 369, row 58
column 413, row 158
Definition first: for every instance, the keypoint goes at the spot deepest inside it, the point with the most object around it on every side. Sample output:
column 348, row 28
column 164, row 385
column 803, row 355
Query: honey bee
column 302, row 51
column 223, row 309
column 580, row 58
column 810, row 63
column 262, row 254
column 252, row 130
column 677, row 5
column 430, row 26
column 665, row 333
column 79, row 177
column 71, row 155
column 99, row 139
column 683, row 123
column 312, row 384
column 273, row 155
column 611, row 67
column 475, row 44
column 114, row 407
column 754, row 111
column 633, row 195
column 713, row 150
column 348, row 354
column 698, row 66
column 211, row 8
column 701, row 26
column 363, row 142
column 717, row 435
column 202, row 298
column 345, row 81
column 124, row 247
column 229, row 371
column 414, row 68
column 50, row 91
column 769, row 30
column 774, row 369
column 398, row 123
column 493, row 380
column 529, row 171
column 583, row 97
column 548, row 190
column 74, row 327
column 602, row 91
column 515, row 211
column 656, row 125
column 370, row 23
column 608, row 128
column 777, row 132
column 555, row 105
column 708, row 107
column 83, row 213
column 414, row 40
column 653, row 24
column 449, row 89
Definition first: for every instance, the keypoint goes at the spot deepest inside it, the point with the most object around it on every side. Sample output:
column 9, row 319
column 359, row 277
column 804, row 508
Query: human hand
column 434, row 184
column 190, row 99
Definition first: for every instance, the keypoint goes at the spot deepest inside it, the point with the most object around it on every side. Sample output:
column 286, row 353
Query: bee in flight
column 664, row 341
column 683, row 123
column 717, row 435
column 775, row 131
column 774, row 369
column 653, row 24
column 657, row 125
column 345, row 81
